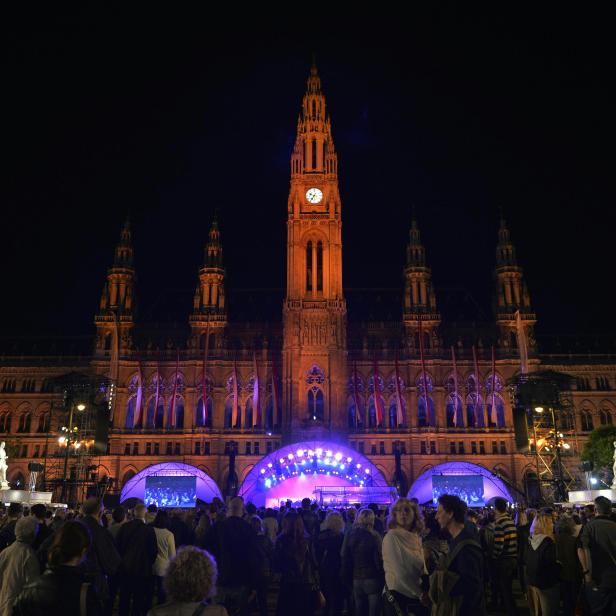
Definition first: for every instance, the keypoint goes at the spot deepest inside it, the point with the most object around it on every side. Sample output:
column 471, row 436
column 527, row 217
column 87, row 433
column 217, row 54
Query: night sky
column 172, row 117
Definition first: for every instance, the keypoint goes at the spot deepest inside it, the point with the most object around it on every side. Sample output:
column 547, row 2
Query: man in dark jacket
column 234, row 545
column 467, row 561
column 137, row 545
column 102, row 559
column 39, row 511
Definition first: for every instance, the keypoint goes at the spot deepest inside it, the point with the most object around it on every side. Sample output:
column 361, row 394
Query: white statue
column 614, row 468
column 3, row 467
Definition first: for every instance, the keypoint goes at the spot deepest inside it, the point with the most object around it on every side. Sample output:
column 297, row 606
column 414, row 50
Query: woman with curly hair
column 189, row 582
column 403, row 561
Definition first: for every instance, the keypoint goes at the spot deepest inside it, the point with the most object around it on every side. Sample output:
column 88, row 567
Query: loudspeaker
column 520, row 426
column 101, row 430
column 587, row 466
column 35, row 467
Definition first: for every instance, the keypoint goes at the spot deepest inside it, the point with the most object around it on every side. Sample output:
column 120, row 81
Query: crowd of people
column 301, row 559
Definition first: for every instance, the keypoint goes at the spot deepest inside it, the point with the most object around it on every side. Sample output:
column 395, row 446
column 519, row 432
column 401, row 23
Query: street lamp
column 68, row 438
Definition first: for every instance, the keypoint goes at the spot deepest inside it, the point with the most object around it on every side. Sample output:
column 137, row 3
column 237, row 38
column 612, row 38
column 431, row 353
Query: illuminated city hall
column 322, row 403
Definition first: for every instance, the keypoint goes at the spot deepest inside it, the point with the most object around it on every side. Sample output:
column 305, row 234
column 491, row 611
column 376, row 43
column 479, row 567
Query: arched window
column 605, row 417
column 130, row 412
column 314, row 153
column 496, row 415
column 425, row 417
column 587, row 424
column 475, row 416
column 455, row 411
column 203, row 416
column 316, row 405
column 43, row 425
column 25, row 420
column 5, row 422
column 319, row 266
column 248, row 412
column 393, row 412
column 178, row 420
column 356, row 416
column 309, row 266
column 566, row 420
column 108, row 342
column 229, row 413
column 269, row 413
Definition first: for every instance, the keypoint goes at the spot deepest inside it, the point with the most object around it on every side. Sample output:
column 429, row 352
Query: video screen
column 171, row 491
column 468, row 488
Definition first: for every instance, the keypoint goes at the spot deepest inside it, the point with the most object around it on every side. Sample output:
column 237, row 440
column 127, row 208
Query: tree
column 599, row 448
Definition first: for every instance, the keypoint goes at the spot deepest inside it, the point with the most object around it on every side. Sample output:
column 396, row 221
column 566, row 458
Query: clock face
column 314, row 195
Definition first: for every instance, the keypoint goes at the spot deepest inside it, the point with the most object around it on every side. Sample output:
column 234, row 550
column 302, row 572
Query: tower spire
column 209, row 301
column 117, row 299
column 419, row 296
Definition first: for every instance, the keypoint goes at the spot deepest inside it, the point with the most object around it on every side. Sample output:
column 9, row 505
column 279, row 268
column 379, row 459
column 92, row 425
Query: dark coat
column 235, row 549
column 57, row 591
column 7, row 534
column 328, row 546
column 542, row 569
column 362, row 557
column 102, row 560
column 138, row 548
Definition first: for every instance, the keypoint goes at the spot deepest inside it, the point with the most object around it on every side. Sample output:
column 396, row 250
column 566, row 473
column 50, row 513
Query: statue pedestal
column 580, row 497
column 25, row 497
column 4, row 485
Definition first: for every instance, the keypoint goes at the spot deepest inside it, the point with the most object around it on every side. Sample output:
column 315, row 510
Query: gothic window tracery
column 131, row 407
column 454, row 410
column 178, row 420
column 25, row 421
column 5, row 422
column 496, row 415
column 315, row 398
column 586, row 421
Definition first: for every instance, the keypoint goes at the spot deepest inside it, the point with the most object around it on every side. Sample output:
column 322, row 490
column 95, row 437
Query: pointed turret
column 209, row 299
column 117, row 299
column 419, row 296
column 511, row 291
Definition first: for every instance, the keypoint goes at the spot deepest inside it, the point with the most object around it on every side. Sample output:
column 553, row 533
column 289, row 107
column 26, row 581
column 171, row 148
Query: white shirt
column 403, row 561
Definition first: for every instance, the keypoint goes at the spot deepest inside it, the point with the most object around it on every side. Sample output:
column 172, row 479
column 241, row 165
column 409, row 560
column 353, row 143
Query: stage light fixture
column 338, row 457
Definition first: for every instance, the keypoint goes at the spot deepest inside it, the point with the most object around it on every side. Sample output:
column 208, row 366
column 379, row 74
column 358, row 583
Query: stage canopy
column 462, row 479
column 206, row 486
column 321, row 470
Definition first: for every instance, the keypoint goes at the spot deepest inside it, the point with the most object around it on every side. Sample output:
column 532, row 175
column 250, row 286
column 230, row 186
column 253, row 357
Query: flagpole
column 477, row 386
column 493, row 412
column 256, row 403
column 356, row 398
column 423, row 372
column 206, row 347
column 377, row 398
column 455, row 388
column 175, row 387
column 139, row 401
column 400, row 414
column 234, row 412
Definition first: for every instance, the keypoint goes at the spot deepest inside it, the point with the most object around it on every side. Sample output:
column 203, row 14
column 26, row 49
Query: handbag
column 392, row 601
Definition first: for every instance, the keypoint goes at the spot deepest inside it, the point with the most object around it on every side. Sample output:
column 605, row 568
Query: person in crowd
column 59, row 517
column 189, row 582
column 7, row 532
column 150, row 516
column 266, row 550
column 18, row 564
column 270, row 522
column 435, row 546
column 39, row 511
column 328, row 547
column 63, row 588
column 165, row 543
column 294, row 559
column 505, row 552
column 182, row 532
column 570, row 569
column 403, row 561
column 234, row 547
column 472, row 522
column 309, row 518
column 379, row 526
column 202, row 530
column 138, row 549
column 523, row 529
column 118, row 516
column 102, row 560
column 597, row 555
column 362, row 564
column 542, row 568
column 464, row 561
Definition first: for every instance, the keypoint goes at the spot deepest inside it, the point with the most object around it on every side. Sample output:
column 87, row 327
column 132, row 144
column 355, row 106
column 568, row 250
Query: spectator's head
column 15, row 510
column 256, row 523
column 251, row 509
column 26, row 529
column 542, row 525
column 161, row 520
column 140, row 511
column 292, row 524
column 500, row 504
column 59, row 514
column 92, row 507
column 365, row 518
column 152, row 508
column 334, row 522
column 521, row 518
column 603, row 505
column 70, row 544
column 472, row 516
column 119, row 514
column 236, row 507
column 405, row 514
column 305, row 503
column 38, row 511
column 191, row 577
column 566, row 525
column 450, row 511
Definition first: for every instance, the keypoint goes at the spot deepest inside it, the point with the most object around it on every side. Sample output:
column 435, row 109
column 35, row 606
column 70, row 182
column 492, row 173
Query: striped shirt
column 505, row 537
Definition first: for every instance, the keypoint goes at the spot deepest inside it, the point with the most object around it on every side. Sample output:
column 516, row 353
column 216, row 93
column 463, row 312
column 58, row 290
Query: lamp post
column 68, row 438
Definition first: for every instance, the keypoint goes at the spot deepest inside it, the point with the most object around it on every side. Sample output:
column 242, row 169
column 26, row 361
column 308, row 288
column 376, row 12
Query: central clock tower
column 314, row 309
